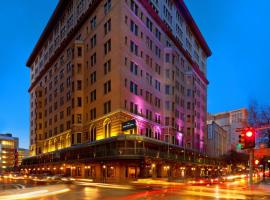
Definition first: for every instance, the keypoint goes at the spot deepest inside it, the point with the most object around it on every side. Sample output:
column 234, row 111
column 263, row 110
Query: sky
column 237, row 31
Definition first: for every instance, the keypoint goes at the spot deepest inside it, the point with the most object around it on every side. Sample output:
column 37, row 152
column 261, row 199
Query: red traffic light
column 249, row 137
column 249, row 133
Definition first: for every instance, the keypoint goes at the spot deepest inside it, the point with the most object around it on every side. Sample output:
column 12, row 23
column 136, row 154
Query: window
column 79, row 118
column 133, row 48
column 93, row 95
column 79, row 101
column 93, row 22
column 167, row 89
column 107, row 27
column 107, row 128
column 79, row 85
column 107, row 67
column 133, row 88
column 148, row 132
column 93, row 114
column 133, row 108
column 107, row 6
column 133, row 68
column 79, row 138
column 93, row 77
column 93, row 134
column 93, row 59
column 133, row 27
column 134, row 7
column 107, row 87
column 157, row 85
column 149, row 24
column 158, row 34
column 167, row 58
column 93, row 41
column 107, row 47
column 79, row 51
column 107, row 107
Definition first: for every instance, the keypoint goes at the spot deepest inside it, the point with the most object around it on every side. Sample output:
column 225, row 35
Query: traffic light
column 249, row 138
column 242, row 140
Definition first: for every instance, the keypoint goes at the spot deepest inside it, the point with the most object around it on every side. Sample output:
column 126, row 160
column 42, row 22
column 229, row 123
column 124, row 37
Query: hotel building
column 115, row 77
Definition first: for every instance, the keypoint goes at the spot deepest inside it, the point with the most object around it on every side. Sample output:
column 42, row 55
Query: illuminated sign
column 131, row 124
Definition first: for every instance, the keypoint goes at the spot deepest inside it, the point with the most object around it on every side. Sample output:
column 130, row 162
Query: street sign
column 131, row 124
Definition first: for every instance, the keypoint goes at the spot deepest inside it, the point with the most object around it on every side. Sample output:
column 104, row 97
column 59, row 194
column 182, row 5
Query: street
column 237, row 189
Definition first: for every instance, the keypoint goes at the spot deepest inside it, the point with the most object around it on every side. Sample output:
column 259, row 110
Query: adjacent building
column 22, row 154
column 217, row 140
column 8, row 152
column 231, row 121
column 118, row 77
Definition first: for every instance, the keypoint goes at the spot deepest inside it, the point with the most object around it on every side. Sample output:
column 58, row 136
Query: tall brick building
column 108, row 69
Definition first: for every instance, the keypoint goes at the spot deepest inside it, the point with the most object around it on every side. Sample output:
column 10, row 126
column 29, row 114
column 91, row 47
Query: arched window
column 93, row 134
column 107, row 128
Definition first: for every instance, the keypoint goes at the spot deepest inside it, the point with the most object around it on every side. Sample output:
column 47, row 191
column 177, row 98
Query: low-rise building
column 8, row 151
column 231, row 121
column 22, row 153
column 217, row 139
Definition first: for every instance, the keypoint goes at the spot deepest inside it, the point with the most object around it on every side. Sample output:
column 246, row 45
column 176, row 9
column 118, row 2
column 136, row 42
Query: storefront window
column 110, row 172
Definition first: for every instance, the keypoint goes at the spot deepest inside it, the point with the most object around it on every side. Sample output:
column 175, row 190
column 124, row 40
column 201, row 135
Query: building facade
column 101, row 64
column 217, row 140
column 22, row 154
column 231, row 121
column 8, row 152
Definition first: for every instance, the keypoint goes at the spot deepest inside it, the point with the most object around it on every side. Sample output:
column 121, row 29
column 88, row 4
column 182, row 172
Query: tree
column 258, row 115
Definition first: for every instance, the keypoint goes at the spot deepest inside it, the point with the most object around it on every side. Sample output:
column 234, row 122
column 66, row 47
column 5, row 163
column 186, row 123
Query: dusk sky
column 237, row 31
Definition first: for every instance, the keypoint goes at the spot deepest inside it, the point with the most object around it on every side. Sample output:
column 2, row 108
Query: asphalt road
column 233, row 190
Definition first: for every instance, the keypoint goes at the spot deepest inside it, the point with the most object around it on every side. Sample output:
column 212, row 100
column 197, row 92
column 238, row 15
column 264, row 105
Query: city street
column 237, row 189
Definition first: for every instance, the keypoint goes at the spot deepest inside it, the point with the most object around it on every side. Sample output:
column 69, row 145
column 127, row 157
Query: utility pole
column 251, row 165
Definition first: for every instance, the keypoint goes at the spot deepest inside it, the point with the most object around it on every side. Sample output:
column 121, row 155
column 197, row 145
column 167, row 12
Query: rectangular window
column 107, row 107
column 79, row 85
column 107, row 67
column 93, row 95
column 93, row 77
column 93, row 59
column 79, row 118
column 107, row 27
column 133, row 68
column 79, row 51
column 79, row 101
column 107, row 6
column 107, row 47
column 107, row 87
column 93, row 22
column 133, row 88
column 133, row 48
column 134, row 7
column 93, row 41
column 133, row 27
column 93, row 114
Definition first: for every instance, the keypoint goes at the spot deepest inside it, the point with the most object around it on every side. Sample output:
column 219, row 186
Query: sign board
column 131, row 124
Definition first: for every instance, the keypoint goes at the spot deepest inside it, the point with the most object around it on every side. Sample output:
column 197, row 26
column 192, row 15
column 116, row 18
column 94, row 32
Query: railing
column 120, row 153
